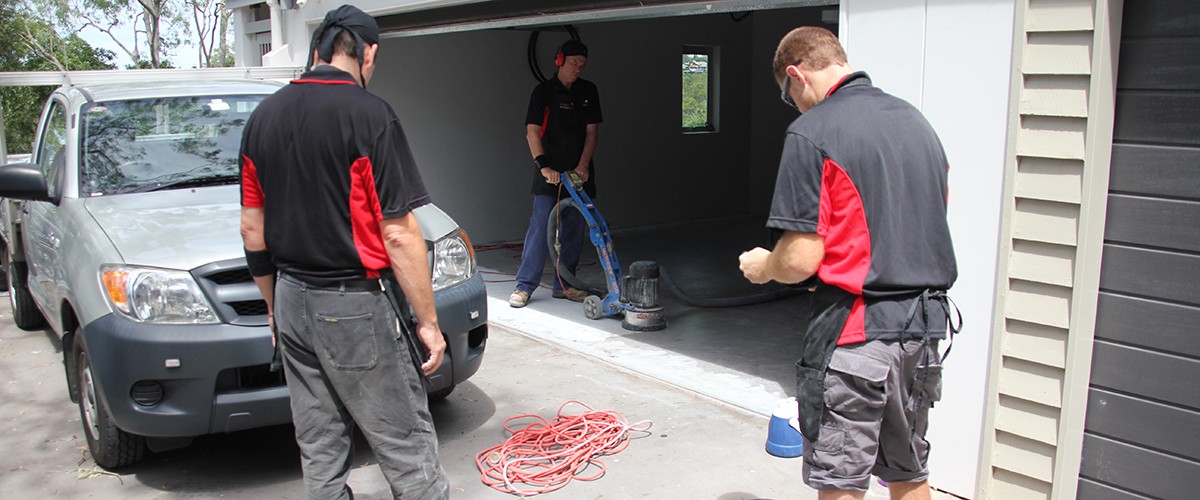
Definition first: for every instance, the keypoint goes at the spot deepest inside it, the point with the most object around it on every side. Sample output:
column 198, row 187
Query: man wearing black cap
column 561, row 127
column 328, row 189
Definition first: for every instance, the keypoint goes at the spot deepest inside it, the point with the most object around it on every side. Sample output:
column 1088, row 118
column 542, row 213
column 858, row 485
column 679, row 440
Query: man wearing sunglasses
column 861, row 200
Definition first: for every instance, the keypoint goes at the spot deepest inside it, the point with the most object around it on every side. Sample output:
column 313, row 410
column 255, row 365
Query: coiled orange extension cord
column 546, row 455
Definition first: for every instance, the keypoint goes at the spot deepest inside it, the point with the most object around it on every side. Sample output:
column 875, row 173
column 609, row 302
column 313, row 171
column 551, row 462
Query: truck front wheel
column 110, row 446
column 3, row 267
column 25, row 312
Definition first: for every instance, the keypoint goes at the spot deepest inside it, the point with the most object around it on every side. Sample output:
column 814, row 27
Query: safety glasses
column 784, row 94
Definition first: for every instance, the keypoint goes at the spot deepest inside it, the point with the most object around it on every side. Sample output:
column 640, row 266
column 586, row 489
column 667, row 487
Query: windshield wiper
column 214, row 180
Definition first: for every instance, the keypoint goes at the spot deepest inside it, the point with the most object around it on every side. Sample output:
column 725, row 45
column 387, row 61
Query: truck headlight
column 150, row 295
column 453, row 261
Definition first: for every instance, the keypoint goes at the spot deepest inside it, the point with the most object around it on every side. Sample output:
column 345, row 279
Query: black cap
column 573, row 48
column 347, row 17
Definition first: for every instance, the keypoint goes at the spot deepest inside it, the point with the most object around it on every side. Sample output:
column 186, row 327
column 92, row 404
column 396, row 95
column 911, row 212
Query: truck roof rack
column 30, row 78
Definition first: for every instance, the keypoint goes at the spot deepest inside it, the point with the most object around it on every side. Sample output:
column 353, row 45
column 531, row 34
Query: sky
column 186, row 55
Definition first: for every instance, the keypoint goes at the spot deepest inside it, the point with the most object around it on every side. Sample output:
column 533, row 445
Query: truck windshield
column 165, row 143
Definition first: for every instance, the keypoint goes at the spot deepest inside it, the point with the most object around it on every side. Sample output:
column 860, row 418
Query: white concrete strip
column 736, row 388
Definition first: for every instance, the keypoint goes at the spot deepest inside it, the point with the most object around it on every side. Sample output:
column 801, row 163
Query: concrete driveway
column 698, row 448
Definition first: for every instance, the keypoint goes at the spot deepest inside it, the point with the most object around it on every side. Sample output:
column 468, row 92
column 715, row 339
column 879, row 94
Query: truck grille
column 232, row 276
column 232, row 291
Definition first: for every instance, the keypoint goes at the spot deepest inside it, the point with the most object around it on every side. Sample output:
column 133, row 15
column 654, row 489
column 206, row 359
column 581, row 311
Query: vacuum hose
column 552, row 225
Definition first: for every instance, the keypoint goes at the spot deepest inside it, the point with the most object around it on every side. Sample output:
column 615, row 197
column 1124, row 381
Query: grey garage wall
column 462, row 99
column 1143, row 406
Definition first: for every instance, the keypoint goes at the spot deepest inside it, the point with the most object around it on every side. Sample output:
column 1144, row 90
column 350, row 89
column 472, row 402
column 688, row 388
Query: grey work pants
column 346, row 365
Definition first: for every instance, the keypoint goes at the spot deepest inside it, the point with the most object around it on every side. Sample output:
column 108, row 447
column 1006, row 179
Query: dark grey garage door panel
column 1131, row 370
column 1131, row 419
column 1091, row 490
column 1151, row 273
column 1159, row 18
column 1156, row 171
column 1153, row 222
column 1158, row 117
column 1145, row 471
column 1142, row 428
column 1160, row 64
column 1148, row 323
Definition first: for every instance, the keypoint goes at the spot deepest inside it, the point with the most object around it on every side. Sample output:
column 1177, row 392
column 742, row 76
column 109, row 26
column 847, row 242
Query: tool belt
column 831, row 308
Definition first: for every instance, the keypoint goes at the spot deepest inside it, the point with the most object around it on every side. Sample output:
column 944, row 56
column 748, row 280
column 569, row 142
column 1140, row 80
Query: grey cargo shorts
column 877, row 398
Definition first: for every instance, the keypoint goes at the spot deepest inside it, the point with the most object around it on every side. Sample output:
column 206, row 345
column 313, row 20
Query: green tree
column 147, row 31
column 27, row 44
column 695, row 100
column 210, row 19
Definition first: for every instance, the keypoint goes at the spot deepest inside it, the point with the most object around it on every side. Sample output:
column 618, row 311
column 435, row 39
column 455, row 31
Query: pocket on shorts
column 927, row 388
column 349, row 341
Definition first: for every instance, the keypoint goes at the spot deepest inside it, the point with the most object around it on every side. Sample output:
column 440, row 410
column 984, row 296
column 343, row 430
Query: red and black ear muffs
column 559, row 58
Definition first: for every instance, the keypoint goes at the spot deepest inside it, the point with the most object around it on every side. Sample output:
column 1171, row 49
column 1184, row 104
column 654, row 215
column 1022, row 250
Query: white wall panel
column 968, row 41
column 886, row 38
column 951, row 59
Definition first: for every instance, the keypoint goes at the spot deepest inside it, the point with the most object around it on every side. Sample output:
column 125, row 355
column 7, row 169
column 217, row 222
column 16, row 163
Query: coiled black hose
column 687, row 298
column 531, row 51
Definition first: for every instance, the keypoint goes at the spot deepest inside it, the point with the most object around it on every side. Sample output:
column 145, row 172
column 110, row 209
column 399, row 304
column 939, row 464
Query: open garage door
column 459, row 78
column 519, row 13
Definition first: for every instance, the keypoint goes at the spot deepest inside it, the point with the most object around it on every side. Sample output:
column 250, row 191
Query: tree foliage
column 146, row 31
column 695, row 100
column 27, row 44
column 211, row 22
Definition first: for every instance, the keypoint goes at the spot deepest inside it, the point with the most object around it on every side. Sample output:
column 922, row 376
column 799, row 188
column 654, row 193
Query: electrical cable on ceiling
column 545, row 456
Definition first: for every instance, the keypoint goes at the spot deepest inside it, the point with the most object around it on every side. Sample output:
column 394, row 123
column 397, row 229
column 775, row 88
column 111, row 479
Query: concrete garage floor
column 706, row 441
column 743, row 356
column 697, row 448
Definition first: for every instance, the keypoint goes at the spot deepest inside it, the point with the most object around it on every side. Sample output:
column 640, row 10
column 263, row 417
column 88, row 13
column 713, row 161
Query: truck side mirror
column 23, row 181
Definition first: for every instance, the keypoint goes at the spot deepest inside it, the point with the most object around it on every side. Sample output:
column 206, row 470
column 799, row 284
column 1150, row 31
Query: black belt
column 350, row 285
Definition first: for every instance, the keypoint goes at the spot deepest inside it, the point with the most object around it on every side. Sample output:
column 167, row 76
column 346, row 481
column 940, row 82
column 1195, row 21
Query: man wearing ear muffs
column 561, row 127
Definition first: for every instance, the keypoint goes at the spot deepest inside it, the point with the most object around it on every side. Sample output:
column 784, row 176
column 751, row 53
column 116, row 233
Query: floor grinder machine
column 634, row 295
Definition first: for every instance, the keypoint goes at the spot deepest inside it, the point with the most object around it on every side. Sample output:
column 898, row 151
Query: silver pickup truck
column 122, row 236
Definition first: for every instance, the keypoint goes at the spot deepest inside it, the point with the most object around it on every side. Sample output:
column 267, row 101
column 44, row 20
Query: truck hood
column 187, row 228
column 178, row 229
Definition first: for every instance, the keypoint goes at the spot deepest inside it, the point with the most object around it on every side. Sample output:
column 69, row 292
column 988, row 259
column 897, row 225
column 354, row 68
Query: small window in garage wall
column 699, row 100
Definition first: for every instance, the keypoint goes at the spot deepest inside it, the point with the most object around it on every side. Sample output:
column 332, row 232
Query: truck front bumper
column 185, row 380
column 190, row 380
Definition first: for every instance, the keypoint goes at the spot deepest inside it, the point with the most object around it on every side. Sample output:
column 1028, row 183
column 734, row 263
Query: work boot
column 575, row 294
column 518, row 298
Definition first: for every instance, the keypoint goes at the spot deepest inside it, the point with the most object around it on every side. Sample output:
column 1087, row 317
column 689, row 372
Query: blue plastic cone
column 783, row 440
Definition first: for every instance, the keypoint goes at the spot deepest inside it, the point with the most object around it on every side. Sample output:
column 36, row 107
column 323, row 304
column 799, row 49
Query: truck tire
column 110, row 446
column 25, row 312
column 441, row 394
column 3, row 267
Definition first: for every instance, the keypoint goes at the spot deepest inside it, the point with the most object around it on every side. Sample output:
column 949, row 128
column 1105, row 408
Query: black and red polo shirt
column 327, row 161
column 564, row 115
column 866, row 171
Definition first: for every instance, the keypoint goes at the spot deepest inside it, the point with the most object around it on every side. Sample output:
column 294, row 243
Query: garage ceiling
column 535, row 13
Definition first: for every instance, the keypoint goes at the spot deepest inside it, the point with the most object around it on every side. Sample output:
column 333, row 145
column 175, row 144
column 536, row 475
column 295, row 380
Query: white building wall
column 951, row 59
